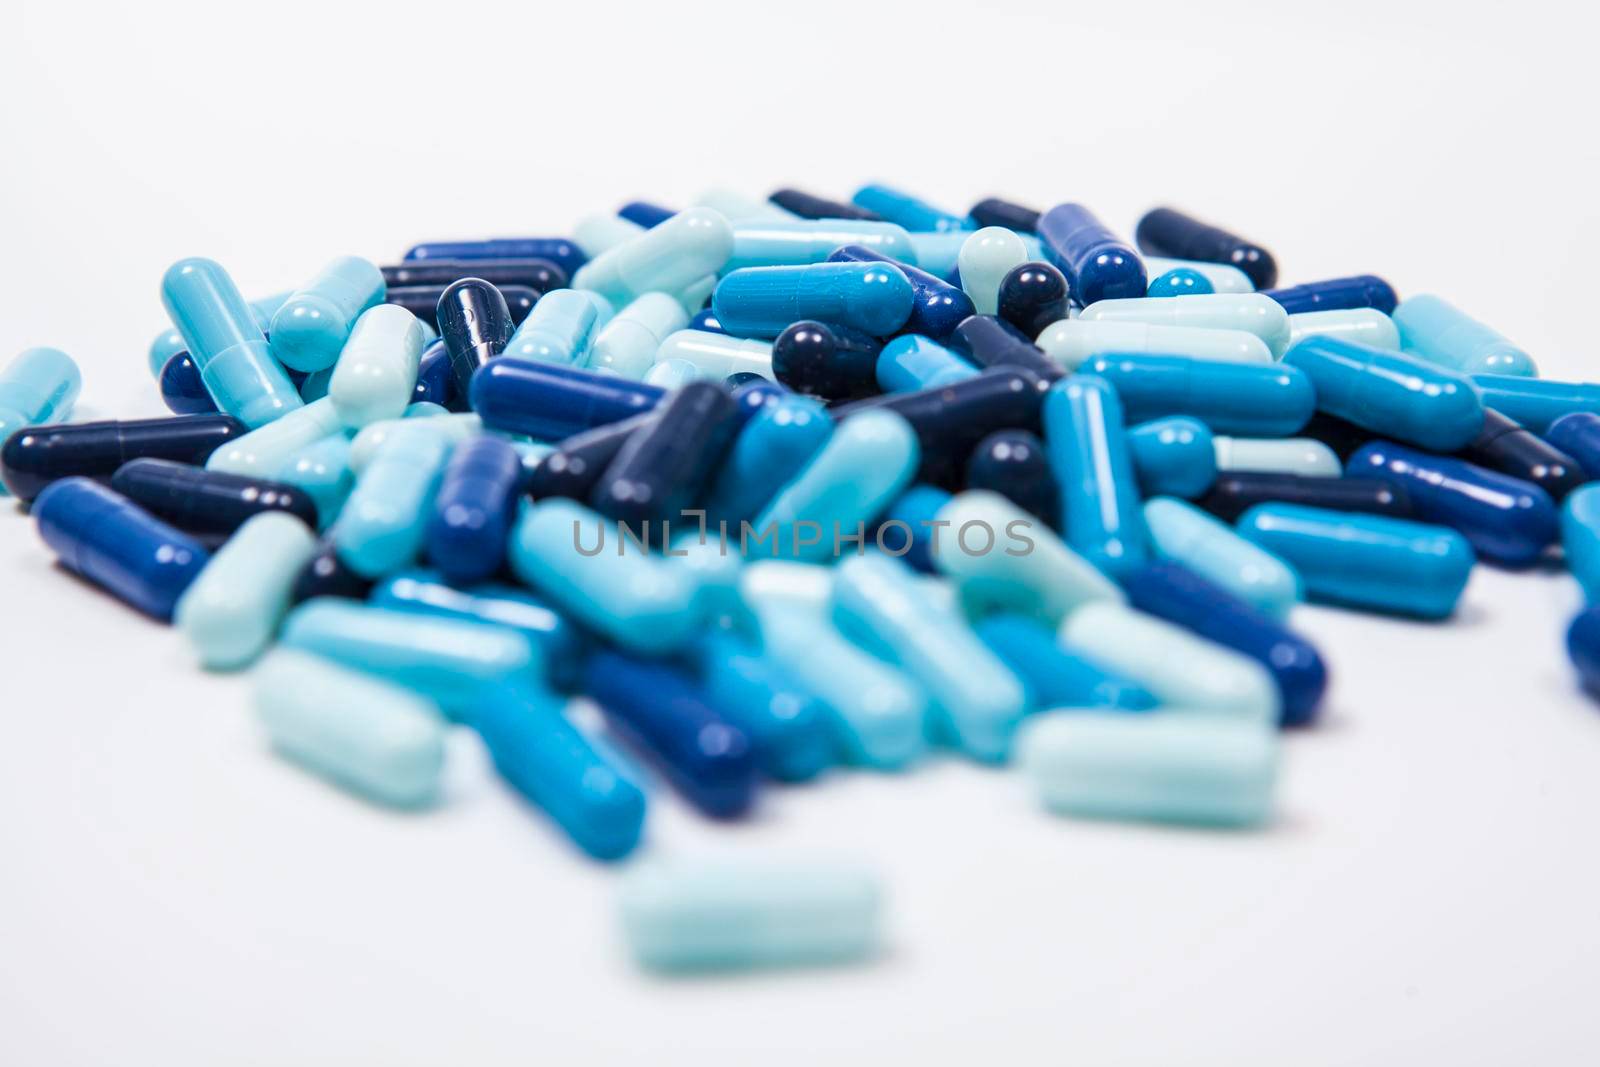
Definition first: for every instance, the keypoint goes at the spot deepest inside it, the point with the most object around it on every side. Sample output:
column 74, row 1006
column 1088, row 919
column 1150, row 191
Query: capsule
column 170, row 342
column 1180, row 281
column 1580, row 539
column 936, row 308
column 1099, row 494
column 321, row 472
column 990, row 341
column 558, row 250
column 875, row 298
column 1052, row 676
column 737, row 207
column 1367, row 326
column 1276, row 455
column 788, row 727
column 326, row 576
column 644, row 213
column 207, row 502
column 1337, row 294
column 1390, row 393
column 1438, row 332
column 992, row 211
column 1233, row 398
column 231, row 611
column 1506, row 520
column 1073, row 342
column 907, row 528
column 1250, row 313
column 1371, row 562
column 1098, row 264
column 1167, row 767
column 798, row 242
column 596, row 234
column 807, row 206
column 835, row 362
column 940, row 254
column 1032, row 296
column 183, row 390
column 311, row 327
column 705, row 321
column 666, row 259
column 476, row 326
column 1235, row 493
column 984, row 261
column 226, row 343
column 1223, row 279
column 1536, row 402
column 1583, row 648
column 716, row 355
column 37, row 388
column 549, row 402
column 1578, row 435
column 1166, row 232
column 556, row 331
column 627, row 345
column 906, row 210
column 576, row 464
column 1508, row 448
column 470, row 516
column 540, row 275
column 102, row 536
column 662, row 470
column 381, row 526
column 1173, row 456
column 35, row 457
column 772, row 448
column 910, row 362
column 423, row 301
column 376, row 376
column 1013, row 463
column 1184, row 534
column 436, row 382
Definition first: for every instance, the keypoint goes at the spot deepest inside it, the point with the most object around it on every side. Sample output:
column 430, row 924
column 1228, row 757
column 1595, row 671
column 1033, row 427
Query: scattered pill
column 310, row 328
column 910, row 363
column 1506, row 447
column 231, row 611
column 875, row 298
column 984, row 260
column 1173, row 456
column 1211, row 549
column 38, row 387
column 834, row 362
column 1097, row 263
column 208, row 502
column 1390, row 393
column 36, row 456
column 1099, row 495
column 1073, row 342
column 1246, row 312
column 908, row 211
column 808, row 206
column 1167, row 232
column 1276, row 455
column 1536, row 402
column 1032, row 296
column 1337, row 294
column 1436, row 331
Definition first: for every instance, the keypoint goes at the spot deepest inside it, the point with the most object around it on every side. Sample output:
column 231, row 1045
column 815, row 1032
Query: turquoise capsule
column 1535, row 402
column 315, row 386
column 322, row 469
column 737, row 207
column 376, row 375
column 796, row 242
column 580, row 561
column 1438, row 332
column 672, row 373
column 226, row 343
column 380, row 528
column 37, row 388
column 1304, row 456
column 984, row 259
column 666, row 258
column 911, row 362
column 716, row 355
column 557, row 330
column 1239, row 398
column 940, row 253
column 909, row 211
column 1369, row 326
column 867, row 462
column 266, row 450
column 1214, row 551
column 880, row 602
column 1173, row 456
column 793, row 739
column 710, row 915
column 312, row 326
column 1365, row 561
column 364, row 734
column 454, row 427
column 1169, row 766
column 1388, row 393
column 1180, row 281
column 598, row 234
column 627, row 344
column 1223, row 278
column 774, row 446
column 169, row 343
column 1580, row 538
column 232, row 610
column 1073, row 342
column 1099, row 494
column 875, row 298
column 1250, row 313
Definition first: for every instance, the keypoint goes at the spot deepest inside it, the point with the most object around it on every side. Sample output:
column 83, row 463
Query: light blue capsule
column 1369, row 326
column 36, row 388
column 693, row 297
column 557, row 330
column 231, row 611
column 1174, row 456
column 665, row 259
column 1580, row 538
column 1088, row 450
column 911, row 362
column 322, row 470
column 1187, row 535
column 266, row 450
column 774, row 445
column 716, row 355
column 940, row 253
column 1223, row 278
column 737, row 207
column 1072, row 342
column 984, row 259
column 1438, row 332
column 376, row 375
column 380, row 528
column 788, row 727
column 169, row 343
column 627, row 344
column 598, row 234
column 1251, row 313
column 1304, row 456
column 1535, row 402
column 873, row 297
column 1181, row 281
column 672, row 373
column 310, row 329
column 315, row 385
column 454, row 427
column 909, row 211
column 797, row 242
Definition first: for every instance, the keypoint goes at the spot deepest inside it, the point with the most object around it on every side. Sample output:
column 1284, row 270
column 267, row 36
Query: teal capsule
column 789, row 728
column 672, row 373
column 267, row 449
column 984, row 258
column 322, row 469
column 454, row 427
column 692, row 298
column 1365, row 561
column 1168, row 766
column 774, row 446
column 1580, row 538
column 1173, row 456
column 716, row 355
column 315, row 385
column 37, row 388
column 1250, row 313
column 1223, row 278
column 1242, row 398
column 1099, row 494
column 940, row 253
column 312, row 326
column 667, row 258
column 1535, row 402
column 1395, row 395
column 1369, row 326
column 583, row 564
column 867, row 462
column 909, row 211
column 1438, row 332
column 232, row 610
column 1277, row 455
column 873, row 297
column 1073, row 342
column 226, row 343
column 376, row 375
column 169, row 343
column 627, row 344
column 380, row 528
column 1180, row 281
column 364, row 734
column 1214, row 551
column 557, row 330
column 879, row 602
column 912, row 362
column 797, row 242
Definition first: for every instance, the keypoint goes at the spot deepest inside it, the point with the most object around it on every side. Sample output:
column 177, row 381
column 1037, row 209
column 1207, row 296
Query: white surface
column 170, row 894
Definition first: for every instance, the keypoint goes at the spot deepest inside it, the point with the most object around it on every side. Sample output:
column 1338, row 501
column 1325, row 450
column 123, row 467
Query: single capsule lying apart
column 1436, row 331
column 231, row 611
column 34, row 458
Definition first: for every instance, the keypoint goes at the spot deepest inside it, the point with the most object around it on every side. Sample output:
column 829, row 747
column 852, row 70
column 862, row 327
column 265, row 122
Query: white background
column 171, row 894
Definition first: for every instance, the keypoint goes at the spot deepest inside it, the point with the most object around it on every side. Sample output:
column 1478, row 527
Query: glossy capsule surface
column 1369, row 326
column 34, row 458
column 1390, row 393
column 993, row 211
column 423, row 301
column 911, row 362
column 1583, row 648
column 38, row 387
column 231, row 611
column 875, row 298
column 436, row 382
column 1439, row 332
column 118, row 546
column 381, row 527
column 1173, row 456
column 627, row 345
column 475, row 325
column 983, row 261
column 1072, row 342
column 321, row 472
column 1258, row 400
column 666, row 259
column 1184, row 534
column 905, row 529
column 777, row 441
column 207, row 502
column 556, row 331
column 576, row 463
column 1164, row 231
column 1580, row 539
column 662, row 470
column 644, row 213
column 264, row 451
column 1578, row 435
column 909, row 211
column 1250, row 313
column 325, row 576
column 1536, row 402
column 1014, row 464
column 797, row 242
column 990, row 341
column 716, row 355
column 1276, row 455
column 549, row 402
column 1052, row 676
column 834, row 362
column 182, row 389
column 670, row 373
column 376, row 375
column 1083, row 422
column 170, row 342
column 1223, row 279
column 1032, row 296
column 1236, row 492
column 808, row 206
column 1358, row 291
column 788, row 727
column 558, row 250
column 1180, row 281
column 937, row 307
column 310, row 328
column 1506, row 447
column 540, row 275
column 1097, row 263
column 471, row 514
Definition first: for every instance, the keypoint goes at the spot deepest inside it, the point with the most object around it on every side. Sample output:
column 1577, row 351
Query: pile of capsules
column 782, row 485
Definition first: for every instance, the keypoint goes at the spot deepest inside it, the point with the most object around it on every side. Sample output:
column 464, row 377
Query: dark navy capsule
column 1341, row 435
column 325, row 575
column 1237, row 492
column 705, row 320
column 1098, row 264
column 990, row 341
column 1578, row 435
column 1504, row 519
column 807, row 206
column 1506, row 447
column 938, row 307
column 1054, row 677
column 1013, row 463
column 472, row 511
column 1583, row 648
column 1032, row 296
column 643, row 213
column 907, row 528
column 35, row 456
column 423, row 301
column 550, row 402
column 1174, row 235
column 436, row 381
column 1337, row 294
column 664, row 711
column 1173, row 592
column 475, row 324
column 207, row 502
column 116, row 545
column 662, row 469
column 182, row 389
column 833, row 362
column 540, row 275
column 997, row 212
column 1244, row 399
column 558, row 250
column 572, row 470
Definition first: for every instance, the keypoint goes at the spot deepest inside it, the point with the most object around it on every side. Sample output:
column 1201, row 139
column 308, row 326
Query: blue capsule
column 775, row 444
column 471, row 513
column 705, row 321
column 436, row 380
column 37, row 388
column 1032, row 296
column 423, row 301
column 643, row 213
column 1173, row 456
column 906, row 528
column 937, row 308
column 1583, row 648
column 183, row 390
column 1013, row 463
column 1580, row 539
column 310, row 328
column 1578, row 435
column 1180, row 281
column 170, row 342
column 875, row 298
column 1238, row 491
column 911, row 362
column 1052, row 676
column 32, row 459
column 1253, row 400
column 1506, row 447
column 556, row 331
column 207, row 502
column 796, row 242
column 1165, row 232
column 834, row 362
column 1184, row 534
column 1100, row 509
column 1097, row 263
column 540, row 275
column 475, row 325
column 673, row 256
column 787, row 726
column 326, row 576
column 1536, row 402
column 320, row 470
column 558, row 250
column 906, row 210
column 1436, row 331
column 1337, row 294
column 809, row 206
column 549, row 402
column 992, row 211
column 381, row 527
column 990, row 341
column 662, row 469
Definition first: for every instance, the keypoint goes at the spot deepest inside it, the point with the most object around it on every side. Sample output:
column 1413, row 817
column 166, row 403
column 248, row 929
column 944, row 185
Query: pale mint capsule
column 380, row 528
column 1027, row 570
column 1437, row 331
column 1072, row 341
column 716, row 355
column 232, row 610
column 666, row 259
column 376, row 375
column 1176, row 765
column 588, row 568
column 1369, row 326
column 880, row 602
column 322, row 469
column 599, row 234
column 694, row 297
column 1276, row 455
column 737, row 207
column 38, row 387
column 911, row 362
column 797, row 242
column 455, row 427
column 1248, row 312
column 671, row 373
column 557, row 330
column 309, row 330
column 627, row 344
column 1177, row 667
column 1223, row 278
column 1212, row 549
column 362, row 733
column 717, row 914
column 984, row 259
column 714, row 567
column 867, row 462
column 265, row 450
